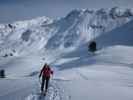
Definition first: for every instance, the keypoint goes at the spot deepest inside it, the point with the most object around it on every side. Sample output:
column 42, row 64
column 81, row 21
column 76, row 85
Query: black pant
column 45, row 80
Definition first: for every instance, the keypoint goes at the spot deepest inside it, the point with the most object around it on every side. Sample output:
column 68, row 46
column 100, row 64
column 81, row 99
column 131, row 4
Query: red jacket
column 46, row 71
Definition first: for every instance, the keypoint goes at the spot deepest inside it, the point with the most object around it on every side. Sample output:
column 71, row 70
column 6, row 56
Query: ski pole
column 39, row 81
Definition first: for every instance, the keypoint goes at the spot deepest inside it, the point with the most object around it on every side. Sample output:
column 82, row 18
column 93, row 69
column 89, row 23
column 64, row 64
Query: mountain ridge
column 76, row 28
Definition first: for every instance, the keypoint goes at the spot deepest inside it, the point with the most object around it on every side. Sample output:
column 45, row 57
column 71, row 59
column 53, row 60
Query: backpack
column 47, row 71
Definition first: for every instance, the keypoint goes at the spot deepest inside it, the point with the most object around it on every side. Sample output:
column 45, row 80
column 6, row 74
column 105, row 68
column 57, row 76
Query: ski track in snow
column 55, row 92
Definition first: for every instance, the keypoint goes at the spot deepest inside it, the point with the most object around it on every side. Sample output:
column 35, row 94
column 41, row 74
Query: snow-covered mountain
column 77, row 74
column 78, row 27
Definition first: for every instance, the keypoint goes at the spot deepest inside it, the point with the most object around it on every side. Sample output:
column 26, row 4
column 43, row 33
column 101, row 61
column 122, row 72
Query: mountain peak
column 78, row 27
column 116, row 12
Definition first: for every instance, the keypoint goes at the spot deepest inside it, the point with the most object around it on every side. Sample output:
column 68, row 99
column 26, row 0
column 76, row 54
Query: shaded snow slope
column 117, row 55
column 120, row 36
column 16, row 89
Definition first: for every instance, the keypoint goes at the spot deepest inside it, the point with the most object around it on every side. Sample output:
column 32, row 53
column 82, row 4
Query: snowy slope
column 76, row 77
column 78, row 27
column 120, row 36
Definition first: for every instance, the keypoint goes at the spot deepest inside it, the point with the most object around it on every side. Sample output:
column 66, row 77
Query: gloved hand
column 39, row 75
column 52, row 72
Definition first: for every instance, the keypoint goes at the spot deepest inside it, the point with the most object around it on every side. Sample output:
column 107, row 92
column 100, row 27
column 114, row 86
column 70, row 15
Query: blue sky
column 13, row 10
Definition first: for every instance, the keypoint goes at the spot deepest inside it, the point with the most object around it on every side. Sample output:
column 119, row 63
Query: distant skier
column 45, row 73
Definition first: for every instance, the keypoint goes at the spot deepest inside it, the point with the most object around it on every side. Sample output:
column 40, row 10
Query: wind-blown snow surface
column 78, row 75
